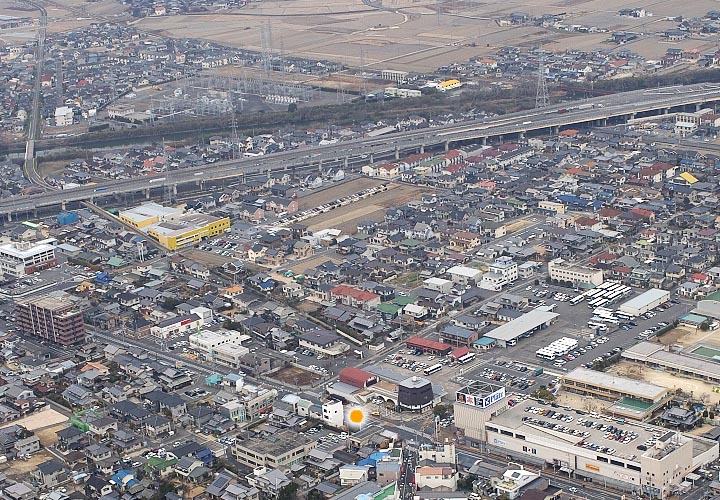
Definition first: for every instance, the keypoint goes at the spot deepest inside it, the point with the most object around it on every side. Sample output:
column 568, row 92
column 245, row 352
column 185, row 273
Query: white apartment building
column 560, row 270
column 207, row 342
column 500, row 273
column 333, row 413
column 20, row 259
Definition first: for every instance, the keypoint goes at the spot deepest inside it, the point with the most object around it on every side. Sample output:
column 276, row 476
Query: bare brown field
column 415, row 37
column 303, row 266
column 336, row 191
column 205, row 258
column 295, row 376
column 372, row 208
column 40, row 420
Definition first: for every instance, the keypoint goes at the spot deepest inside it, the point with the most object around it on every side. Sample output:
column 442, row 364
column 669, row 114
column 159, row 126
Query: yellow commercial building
column 148, row 213
column 448, row 85
column 187, row 230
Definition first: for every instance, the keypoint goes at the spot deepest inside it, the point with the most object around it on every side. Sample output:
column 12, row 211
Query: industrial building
column 629, row 456
column 633, row 398
column 19, row 259
column 560, row 270
column 56, row 317
column 645, row 302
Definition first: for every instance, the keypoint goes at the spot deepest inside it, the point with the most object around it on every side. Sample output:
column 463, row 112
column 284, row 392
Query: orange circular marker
column 356, row 416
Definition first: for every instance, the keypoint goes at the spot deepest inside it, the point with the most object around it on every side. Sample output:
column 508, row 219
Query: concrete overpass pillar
column 447, row 146
column 554, row 130
column 62, row 205
column 174, row 189
column 632, row 116
column 603, row 122
column 665, row 111
column 345, row 162
column 483, row 141
column 422, row 149
column 698, row 107
column 372, row 158
column 397, row 153
column 9, row 216
column 147, row 193
column 521, row 135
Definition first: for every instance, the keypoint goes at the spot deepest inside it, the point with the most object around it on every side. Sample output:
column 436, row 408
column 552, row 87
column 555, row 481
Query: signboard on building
column 480, row 401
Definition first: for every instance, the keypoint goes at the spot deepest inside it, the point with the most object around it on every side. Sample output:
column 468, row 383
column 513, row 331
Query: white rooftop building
column 20, row 259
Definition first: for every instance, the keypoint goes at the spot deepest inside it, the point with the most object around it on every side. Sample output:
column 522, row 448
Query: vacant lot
column 306, row 264
column 294, row 375
column 40, row 420
column 687, row 336
column 372, row 208
column 339, row 190
column 207, row 259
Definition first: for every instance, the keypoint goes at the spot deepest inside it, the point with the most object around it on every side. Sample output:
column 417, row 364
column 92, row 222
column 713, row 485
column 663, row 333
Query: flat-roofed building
column 634, row 398
column 206, row 341
column 560, row 270
column 187, row 230
column 19, row 259
column 645, row 301
column 281, row 450
column 632, row 457
column 56, row 316
column 146, row 214
column 659, row 357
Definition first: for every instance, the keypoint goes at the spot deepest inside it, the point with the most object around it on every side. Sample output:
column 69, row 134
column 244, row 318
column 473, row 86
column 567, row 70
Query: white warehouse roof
column 525, row 323
column 645, row 298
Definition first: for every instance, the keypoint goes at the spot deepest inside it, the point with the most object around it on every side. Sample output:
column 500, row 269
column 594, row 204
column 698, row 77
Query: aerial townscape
column 360, row 250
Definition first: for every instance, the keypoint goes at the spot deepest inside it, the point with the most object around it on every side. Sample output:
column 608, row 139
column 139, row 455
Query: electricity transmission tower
column 541, row 95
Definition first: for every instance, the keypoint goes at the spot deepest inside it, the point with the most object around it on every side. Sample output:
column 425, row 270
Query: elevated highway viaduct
column 597, row 110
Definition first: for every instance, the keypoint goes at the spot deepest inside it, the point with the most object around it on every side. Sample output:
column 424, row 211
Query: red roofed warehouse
column 426, row 345
column 357, row 377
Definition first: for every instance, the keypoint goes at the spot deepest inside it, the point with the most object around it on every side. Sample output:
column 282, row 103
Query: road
column 35, row 112
column 616, row 105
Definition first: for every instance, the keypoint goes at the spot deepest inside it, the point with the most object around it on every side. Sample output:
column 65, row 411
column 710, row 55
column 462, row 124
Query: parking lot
column 573, row 321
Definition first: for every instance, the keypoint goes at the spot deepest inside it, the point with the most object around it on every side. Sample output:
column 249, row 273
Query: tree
column 544, row 394
column 441, row 410
column 292, row 107
column 288, row 492
column 465, row 483
column 314, row 494
column 170, row 303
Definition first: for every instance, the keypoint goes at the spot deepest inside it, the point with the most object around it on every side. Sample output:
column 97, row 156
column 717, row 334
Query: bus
column 576, row 300
column 600, row 326
column 466, row 358
column 546, row 354
column 432, row 369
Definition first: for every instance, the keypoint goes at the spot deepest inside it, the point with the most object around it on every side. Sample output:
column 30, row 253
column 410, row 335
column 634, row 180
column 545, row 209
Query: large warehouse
column 508, row 334
column 645, row 302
